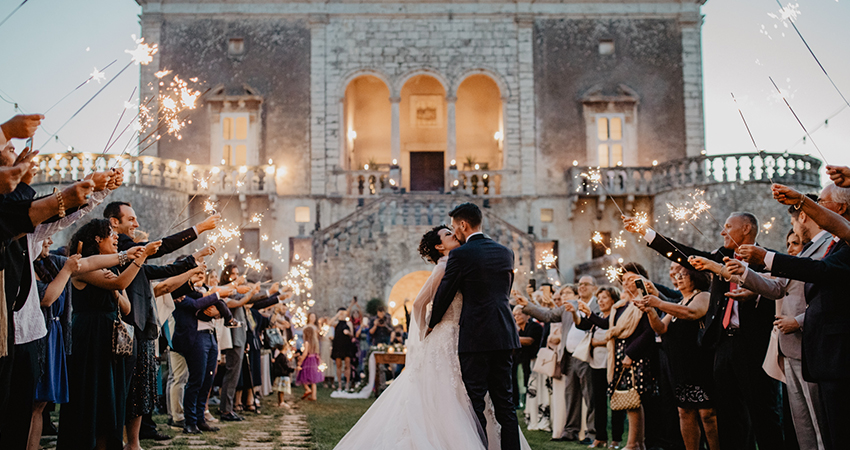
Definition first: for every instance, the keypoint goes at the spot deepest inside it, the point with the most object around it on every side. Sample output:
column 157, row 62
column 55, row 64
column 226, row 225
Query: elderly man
column 576, row 371
column 747, row 398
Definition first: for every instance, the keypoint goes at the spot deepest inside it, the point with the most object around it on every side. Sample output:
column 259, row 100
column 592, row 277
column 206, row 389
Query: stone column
column 318, row 105
column 525, row 63
column 451, row 130
column 396, row 128
column 692, row 76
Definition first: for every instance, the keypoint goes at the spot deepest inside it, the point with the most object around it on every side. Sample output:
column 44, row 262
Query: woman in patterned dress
column 690, row 364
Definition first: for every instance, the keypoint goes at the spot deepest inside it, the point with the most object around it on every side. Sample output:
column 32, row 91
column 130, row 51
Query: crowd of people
column 742, row 347
column 95, row 328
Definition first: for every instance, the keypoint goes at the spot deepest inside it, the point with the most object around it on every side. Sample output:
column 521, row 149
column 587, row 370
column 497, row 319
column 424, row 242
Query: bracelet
column 122, row 258
column 137, row 264
column 800, row 204
column 60, row 201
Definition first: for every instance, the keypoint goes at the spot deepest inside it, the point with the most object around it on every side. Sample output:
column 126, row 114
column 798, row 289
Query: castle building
column 355, row 126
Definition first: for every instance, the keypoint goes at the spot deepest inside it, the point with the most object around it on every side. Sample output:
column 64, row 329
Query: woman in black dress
column 690, row 365
column 343, row 347
column 94, row 415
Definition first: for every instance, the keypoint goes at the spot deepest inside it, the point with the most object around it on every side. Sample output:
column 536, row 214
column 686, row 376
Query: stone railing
column 476, row 183
column 368, row 183
column 698, row 171
column 151, row 171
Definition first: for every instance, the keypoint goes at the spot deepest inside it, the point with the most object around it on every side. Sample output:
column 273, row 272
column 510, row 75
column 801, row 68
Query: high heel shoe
column 598, row 444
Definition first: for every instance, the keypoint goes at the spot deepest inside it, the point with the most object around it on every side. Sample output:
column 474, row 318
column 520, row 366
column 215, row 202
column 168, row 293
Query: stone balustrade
column 151, row 171
column 367, row 183
column 476, row 183
column 703, row 170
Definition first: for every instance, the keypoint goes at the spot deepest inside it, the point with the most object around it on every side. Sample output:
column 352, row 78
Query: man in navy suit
column 483, row 271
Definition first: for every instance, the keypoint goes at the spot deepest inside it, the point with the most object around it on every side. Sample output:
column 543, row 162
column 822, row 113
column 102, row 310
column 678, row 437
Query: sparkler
column 789, row 13
column 595, row 178
column 768, row 225
column 100, row 76
column 751, row 137
column 798, row 119
column 119, row 120
column 13, row 12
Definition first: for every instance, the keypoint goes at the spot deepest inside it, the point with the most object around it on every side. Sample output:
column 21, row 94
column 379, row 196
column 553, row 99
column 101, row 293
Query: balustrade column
column 396, row 128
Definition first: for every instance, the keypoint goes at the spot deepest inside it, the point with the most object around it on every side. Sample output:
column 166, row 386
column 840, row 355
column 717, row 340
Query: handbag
column 774, row 362
column 122, row 338
column 584, row 349
column 622, row 400
column 272, row 339
column 546, row 361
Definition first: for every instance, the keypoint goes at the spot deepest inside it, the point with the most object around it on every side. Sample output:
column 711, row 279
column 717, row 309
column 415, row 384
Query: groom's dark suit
column 483, row 271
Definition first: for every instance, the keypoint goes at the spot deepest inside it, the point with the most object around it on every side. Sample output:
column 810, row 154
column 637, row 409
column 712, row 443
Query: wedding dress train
column 426, row 407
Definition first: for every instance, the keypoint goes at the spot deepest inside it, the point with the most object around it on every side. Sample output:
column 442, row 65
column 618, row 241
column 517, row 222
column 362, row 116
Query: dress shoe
column 191, row 429
column 586, row 441
column 565, row 438
column 156, row 436
column 231, row 417
column 206, row 427
column 178, row 424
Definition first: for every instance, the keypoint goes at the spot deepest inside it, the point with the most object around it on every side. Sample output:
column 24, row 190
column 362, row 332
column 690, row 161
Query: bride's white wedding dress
column 426, row 407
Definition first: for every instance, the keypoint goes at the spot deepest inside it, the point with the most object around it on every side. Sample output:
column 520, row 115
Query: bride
column 427, row 407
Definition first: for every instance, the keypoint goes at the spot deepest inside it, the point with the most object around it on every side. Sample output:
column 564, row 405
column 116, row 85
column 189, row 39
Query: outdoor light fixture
column 352, row 134
column 497, row 136
column 477, row 167
column 575, row 163
column 395, row 162
column 223, row 162
column 654, row 162
column 365, row 166
column 453, row 163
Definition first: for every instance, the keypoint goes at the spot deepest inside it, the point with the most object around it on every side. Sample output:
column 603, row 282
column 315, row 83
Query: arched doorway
column 403, row 294
column 423, row 123
column 367, row 117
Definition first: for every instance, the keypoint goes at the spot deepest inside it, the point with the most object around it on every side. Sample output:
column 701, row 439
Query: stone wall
column 275, row 66
column 647, row 59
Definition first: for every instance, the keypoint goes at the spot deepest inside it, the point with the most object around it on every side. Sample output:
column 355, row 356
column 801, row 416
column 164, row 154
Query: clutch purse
column 122, row 338
column 623, row 400
column 547, row 359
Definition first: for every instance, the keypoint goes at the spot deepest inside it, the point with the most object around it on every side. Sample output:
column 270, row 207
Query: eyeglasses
column 585, row 284
column 679, row 276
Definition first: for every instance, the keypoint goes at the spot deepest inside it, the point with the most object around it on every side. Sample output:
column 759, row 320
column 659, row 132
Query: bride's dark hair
column 428, row 244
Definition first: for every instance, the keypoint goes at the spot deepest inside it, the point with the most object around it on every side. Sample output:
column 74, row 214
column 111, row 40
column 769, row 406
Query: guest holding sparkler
column 690, row 365
column 94, row 415
column 825, row 342
column 739, row 331
column 143, row 377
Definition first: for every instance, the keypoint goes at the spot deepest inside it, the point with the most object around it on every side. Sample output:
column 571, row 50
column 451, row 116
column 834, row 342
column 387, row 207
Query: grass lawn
column 331, row 418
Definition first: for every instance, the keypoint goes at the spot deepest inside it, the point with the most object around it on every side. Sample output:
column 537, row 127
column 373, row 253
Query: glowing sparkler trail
column 13, row 12
column 752, row 138
column 80, row 85
column 595, row 178
column 106, row 147
column 799, row 121
column 786, row 14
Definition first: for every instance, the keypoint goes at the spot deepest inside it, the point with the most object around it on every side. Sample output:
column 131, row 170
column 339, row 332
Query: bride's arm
column 423, row 299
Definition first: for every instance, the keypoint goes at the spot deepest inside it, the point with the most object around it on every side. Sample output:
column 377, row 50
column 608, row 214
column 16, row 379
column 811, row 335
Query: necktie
column 829, row 248
column 727, row 315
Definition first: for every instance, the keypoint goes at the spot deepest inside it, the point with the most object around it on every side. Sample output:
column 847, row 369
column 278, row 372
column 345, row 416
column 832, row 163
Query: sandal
column 237, row 408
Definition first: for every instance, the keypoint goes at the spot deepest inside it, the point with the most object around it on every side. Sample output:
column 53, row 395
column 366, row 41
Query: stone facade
column 557, row 64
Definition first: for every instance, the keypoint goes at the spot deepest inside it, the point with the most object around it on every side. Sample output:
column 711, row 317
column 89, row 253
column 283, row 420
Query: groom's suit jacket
column 483, row 271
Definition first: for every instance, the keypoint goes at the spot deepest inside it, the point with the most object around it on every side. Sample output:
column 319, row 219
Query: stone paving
column 287, row 431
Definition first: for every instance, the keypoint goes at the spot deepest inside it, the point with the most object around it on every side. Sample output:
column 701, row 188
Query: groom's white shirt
column 473, row 234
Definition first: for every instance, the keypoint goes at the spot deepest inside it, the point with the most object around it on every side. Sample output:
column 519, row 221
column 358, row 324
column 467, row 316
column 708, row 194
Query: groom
column 483, row 271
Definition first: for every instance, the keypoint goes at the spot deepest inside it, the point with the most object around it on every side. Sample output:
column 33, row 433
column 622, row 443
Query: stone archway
column 404, row 292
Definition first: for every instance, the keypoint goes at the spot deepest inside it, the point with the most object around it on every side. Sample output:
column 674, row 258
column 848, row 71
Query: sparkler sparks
column 768, row 225
column 143, row 53
column 96, row 75
column 613, row 274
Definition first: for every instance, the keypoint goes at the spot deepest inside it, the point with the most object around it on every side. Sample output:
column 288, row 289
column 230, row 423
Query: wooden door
column 427, row 171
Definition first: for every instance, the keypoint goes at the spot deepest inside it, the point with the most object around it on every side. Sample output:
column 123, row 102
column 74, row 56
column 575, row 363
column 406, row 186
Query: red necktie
column 727, row 315
column 831, row 244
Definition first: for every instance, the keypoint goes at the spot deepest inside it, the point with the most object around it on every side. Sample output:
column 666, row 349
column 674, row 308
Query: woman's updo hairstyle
column 428, row 244
column 97, row 228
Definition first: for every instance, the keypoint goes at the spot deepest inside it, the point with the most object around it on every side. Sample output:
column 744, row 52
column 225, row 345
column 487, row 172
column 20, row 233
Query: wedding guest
column 690, row 365
column 343, row 347
column 327, row 335
column 309, row 374
column 234, row 355
column 94, row 414
column 747, row 399
column 530, row 335
column 598, row 326
column 143, row 377
column 381, row 327
column 630, row 338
